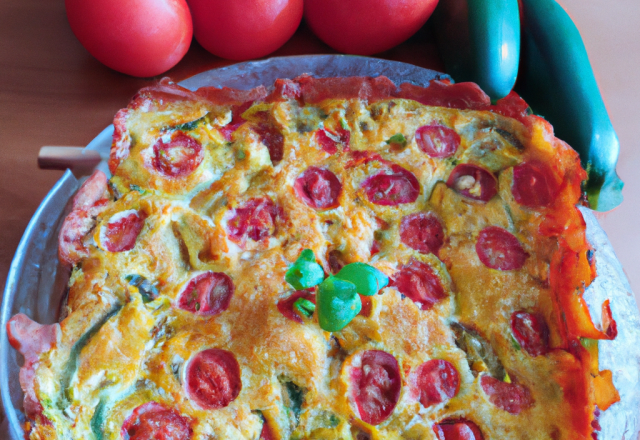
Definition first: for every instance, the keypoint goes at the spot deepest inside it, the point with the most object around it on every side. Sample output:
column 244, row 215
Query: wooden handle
column 77, row 159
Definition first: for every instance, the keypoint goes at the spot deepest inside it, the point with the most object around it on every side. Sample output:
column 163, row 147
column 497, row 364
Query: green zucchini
column 478, row 351
column 98, row 419
column 293, row 398
column 72, row 364
column 108, row 400
column 479, row 41
column 188, row 126
column 557, row 81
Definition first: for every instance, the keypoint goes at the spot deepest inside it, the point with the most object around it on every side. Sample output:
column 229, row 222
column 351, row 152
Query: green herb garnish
column 367, row 279
column 589, row 343
column 338, row 303
column 337, row 299
column 515, row 344
column 397, row 138
column 133, row 187
column 188, row 126
column 305, row 272
column 304, row 307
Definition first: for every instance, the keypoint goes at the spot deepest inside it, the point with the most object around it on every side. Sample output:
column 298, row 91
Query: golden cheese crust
column 217, row 199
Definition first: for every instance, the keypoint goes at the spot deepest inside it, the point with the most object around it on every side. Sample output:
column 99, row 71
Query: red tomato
column 498, row 249
column 461, row 429
column 318, row 188
column 244, row 29
column 213, row 378
column 122, row 230
column 287, row 308
column 154, row 421
column 179, row 157
column 207, row 294
column 254, row 219
column 137, row 37
column 365, row 27
column 422, row 231
column 392, row 187
column 531, row 332
column 511, row 397
column 435, row 381
column 420, row 283
column 376, row 385
column 533, row 185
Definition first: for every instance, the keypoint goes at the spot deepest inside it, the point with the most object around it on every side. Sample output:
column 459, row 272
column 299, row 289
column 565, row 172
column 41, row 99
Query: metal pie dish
column 36, row 283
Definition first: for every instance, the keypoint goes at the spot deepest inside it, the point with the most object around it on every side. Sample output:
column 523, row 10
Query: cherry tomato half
column 244, row 29
column 138, row 37
column 365, row 27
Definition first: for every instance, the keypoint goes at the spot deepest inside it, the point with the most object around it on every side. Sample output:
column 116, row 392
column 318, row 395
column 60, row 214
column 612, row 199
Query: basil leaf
column 515, row 343
column 367, row 279
column 188, row 126
column 305, row 272
column 133, row 187
column 307, row 255
column 337, row 304
column 304, row 307
column 397, row 138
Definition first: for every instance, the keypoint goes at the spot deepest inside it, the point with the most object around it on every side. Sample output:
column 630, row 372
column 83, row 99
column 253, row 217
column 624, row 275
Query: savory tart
column 332, row 259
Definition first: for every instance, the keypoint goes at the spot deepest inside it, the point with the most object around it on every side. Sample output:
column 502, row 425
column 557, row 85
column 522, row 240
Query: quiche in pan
column 334, row 258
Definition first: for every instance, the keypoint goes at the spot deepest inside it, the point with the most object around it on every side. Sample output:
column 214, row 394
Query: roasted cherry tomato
column 137, row 37
column 473, row 182
column 254, row 219
column 267, row 432
column 511, row 397
column 437, row 140
column 122, row 230
column 154, row 421
column 375, row 386
column 330, row 141
column 365, row 27
column 318, row 188
column 422, row 231
column 533, row 185
column 392, row 187
column 244, row 29
column 273, row 140
column 178, row 157
column 417, row 281
column 213, row 378
column 207, row 294
column 498, row 249
column 435, row 381
column 452, row 429
column 531, row 332
column 288, row 306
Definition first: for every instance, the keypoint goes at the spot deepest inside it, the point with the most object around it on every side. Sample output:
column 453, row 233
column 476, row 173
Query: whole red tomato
column 244, row 29
column 365, row 27
column 137, row 37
